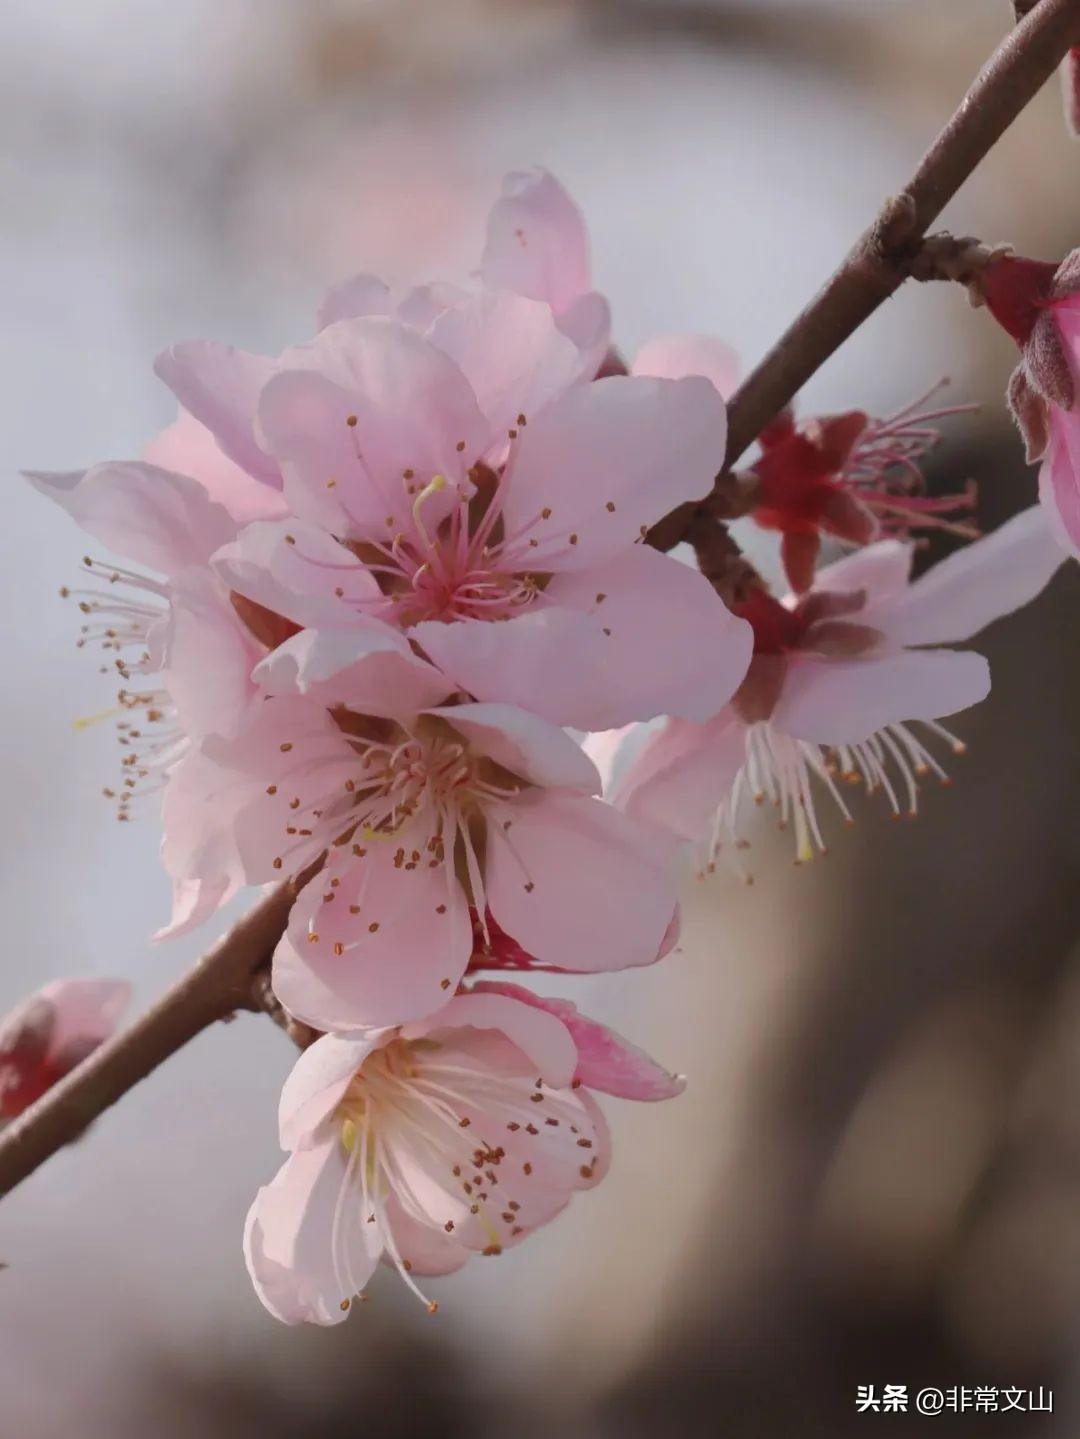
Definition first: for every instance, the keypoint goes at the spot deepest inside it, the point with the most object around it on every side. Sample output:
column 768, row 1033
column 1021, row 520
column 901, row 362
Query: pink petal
column 607, row 460
column 673, row 357
column 189, row 448
column 299, row 571
column 402, row 953
column 349, row 414
column 609, row 748
column 317, row 1083
column 605, row 1060
column 198, row 848
column 208, row 657
column 1059, row 496
column 587, row 322
column 537, row 244
column 429, row 1251
column 357, row 296
column 579, row 885
column 512, row 354
column 289, row 1239
column 882, row 570
column 194, row 901
column 541, row 1035
column 422, row 305
column 369, row 668
column 547, row 660
column 656, row 606
column 1059, row 478
column 220, row 386
column 154, row 517
column 846, row 701
column 227, row 805
column 86, row 1011
column 682, row 774
column 525, row 745
column 974, row 586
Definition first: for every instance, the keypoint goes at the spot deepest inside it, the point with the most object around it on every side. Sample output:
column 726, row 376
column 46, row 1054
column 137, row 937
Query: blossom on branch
column 510, row 555
column 50, row 1033
column 425, row 1144
column 845, row 685
column 427, row 810
column 1039, row 305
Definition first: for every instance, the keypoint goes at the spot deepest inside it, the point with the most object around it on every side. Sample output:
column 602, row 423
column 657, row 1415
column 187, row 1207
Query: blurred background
column 874, row 1176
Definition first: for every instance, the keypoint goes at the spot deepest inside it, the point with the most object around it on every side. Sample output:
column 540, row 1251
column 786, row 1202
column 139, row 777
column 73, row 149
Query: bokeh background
column 874, row 1176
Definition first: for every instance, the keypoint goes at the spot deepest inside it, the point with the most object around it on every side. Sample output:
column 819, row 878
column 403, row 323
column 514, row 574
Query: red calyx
column 1016, row 291
column 800, row 491
column 776, row 628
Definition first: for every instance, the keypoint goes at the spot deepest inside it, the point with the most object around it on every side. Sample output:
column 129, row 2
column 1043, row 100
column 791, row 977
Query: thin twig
column 222, row 981
column 880, row 261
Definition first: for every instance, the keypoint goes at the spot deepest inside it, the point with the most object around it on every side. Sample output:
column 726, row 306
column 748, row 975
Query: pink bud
column 50, row 1033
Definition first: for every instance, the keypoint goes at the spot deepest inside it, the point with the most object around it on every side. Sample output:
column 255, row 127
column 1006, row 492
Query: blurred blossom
column 50, row 1033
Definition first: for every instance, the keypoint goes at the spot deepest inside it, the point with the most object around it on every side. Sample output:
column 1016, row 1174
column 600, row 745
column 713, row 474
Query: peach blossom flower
column 423, row 1145
column 841, row 684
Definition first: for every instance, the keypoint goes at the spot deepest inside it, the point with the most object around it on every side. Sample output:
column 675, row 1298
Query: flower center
column 456, row 565
column 473, row 1124
column 424, row 789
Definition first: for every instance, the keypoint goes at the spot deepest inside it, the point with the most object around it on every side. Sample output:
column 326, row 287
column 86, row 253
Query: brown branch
column 880, row 261
column 228, row 978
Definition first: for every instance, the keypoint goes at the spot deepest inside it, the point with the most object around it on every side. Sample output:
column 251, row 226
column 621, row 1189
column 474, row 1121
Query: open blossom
column 468, row 493
column 841, row 687
column 446, row 464
column 428, row 1143
column 176, row 623
column 850, row 476
column 1039, row 305
column 428, row 813
column 50, row 1033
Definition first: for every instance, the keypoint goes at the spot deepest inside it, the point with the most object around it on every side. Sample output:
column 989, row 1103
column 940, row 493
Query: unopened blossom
column 843, row 687
column 850, row 476
column 1039, row 305
column 425, row 1144
column 463, row 488
column 50, row 1033
column 537, row 246
column 428, row 810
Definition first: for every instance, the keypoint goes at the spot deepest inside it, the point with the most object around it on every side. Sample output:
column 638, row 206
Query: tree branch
column 881, row 258
column 229, row 977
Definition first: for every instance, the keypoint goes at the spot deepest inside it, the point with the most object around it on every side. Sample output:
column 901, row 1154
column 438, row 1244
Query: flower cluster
column 385, row 599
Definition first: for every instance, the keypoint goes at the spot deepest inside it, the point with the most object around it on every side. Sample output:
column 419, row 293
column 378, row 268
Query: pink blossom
column 180, row 625
column 427, row 812
column 537, row 246
column 422, row 1145
column 417, row 504
column 840, row 686
column 50, row 1033
column 1039, row 305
